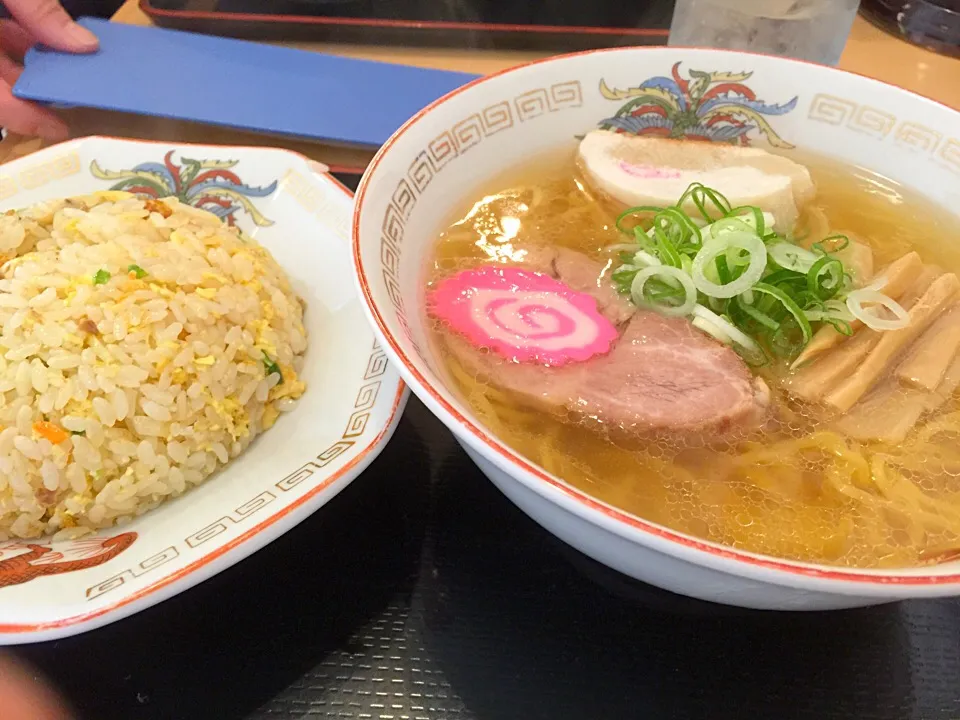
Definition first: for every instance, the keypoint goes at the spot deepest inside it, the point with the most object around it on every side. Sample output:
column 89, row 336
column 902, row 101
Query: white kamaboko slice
column 656, row 171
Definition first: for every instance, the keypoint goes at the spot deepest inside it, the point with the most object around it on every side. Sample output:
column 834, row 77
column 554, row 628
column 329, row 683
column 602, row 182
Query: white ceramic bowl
column 472, row 135
column 354, row 396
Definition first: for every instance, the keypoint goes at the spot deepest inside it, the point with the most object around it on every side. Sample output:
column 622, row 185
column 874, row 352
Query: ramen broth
column 797, row 489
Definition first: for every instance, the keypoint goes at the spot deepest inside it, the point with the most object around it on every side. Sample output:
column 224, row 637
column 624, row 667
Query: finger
column 23, row 696
column 10, row 69
column 47, row 22
column 14, row 40
column 24, row 118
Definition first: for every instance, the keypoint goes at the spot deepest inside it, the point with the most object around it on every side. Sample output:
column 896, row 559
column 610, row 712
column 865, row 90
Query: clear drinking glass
column 814, row 30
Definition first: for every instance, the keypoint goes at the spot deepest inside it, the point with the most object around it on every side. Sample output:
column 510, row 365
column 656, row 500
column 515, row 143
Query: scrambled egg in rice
column 144, row 344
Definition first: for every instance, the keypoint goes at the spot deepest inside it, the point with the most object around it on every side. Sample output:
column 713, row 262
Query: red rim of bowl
column 589, row 506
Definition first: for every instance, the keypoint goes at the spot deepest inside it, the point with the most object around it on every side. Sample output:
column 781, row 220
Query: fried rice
column 144, row 345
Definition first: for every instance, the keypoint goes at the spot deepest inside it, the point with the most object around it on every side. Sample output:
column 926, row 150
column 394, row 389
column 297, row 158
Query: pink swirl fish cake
column 524, row 316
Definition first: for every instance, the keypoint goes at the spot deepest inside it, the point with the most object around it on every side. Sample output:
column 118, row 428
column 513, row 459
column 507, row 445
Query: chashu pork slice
column 662, row 376
column 636, row 170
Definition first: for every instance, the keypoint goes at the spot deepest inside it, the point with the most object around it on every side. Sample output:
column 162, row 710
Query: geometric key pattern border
column 450, row 143
column 355, row 427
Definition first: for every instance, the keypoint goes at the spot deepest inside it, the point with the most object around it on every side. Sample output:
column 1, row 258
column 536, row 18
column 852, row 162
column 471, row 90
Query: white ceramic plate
column 353, row 402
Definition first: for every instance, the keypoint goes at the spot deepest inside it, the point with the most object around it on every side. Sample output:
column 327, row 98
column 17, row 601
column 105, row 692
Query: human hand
column 24, row 697
column 35, row 21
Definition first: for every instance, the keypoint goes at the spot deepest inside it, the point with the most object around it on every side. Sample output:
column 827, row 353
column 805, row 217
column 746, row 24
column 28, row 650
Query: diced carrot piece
column 50, row 431
column 155, row 206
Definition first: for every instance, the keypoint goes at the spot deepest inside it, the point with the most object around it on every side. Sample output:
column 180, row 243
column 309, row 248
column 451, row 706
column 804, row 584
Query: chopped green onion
column 722, row 329
column 735, row 277
column 272, row 367
column 645, row 259
column 702, row 197
column 790, row 306
column 102, row 277
column 668, row 253
column 630, row 212
column 137, row 270
column 841, row 326
column 685, row 232
column 666, row 274
column 822, row 245
column 757, row 315
column 828, row 312
column 731, row 224
column 858, row 299
column 623, row 277
column 785, row 277
column 826, row 277
column 753, row 216
column 752, row 244
column 723, row 270
column 717, row 304
column 792, row 257
column 78, row 432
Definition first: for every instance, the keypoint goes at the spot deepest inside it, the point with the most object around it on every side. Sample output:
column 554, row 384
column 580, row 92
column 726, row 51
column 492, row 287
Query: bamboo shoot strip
column 941, row 292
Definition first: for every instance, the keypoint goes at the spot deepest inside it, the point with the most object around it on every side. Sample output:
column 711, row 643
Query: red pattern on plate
column 21, row 562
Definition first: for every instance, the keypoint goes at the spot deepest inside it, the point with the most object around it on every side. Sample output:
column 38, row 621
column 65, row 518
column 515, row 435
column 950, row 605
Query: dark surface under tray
column 552, row 25
column 421, row 593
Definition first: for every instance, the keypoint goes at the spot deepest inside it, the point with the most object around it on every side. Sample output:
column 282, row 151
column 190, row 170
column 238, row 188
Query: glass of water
column 814, row 30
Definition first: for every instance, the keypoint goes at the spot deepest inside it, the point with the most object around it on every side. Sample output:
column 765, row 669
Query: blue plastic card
column 235, row 83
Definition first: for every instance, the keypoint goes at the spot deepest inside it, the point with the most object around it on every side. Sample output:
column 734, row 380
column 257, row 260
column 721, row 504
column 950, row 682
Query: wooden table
column 869, row 52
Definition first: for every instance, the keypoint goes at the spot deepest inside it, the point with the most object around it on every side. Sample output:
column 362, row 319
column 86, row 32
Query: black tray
column 544, row 25
column 421, row 593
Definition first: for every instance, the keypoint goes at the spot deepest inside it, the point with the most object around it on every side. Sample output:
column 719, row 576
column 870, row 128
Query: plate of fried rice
column 185, row 370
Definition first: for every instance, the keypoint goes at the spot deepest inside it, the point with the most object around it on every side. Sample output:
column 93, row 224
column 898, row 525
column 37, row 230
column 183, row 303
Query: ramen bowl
column 477, row 133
